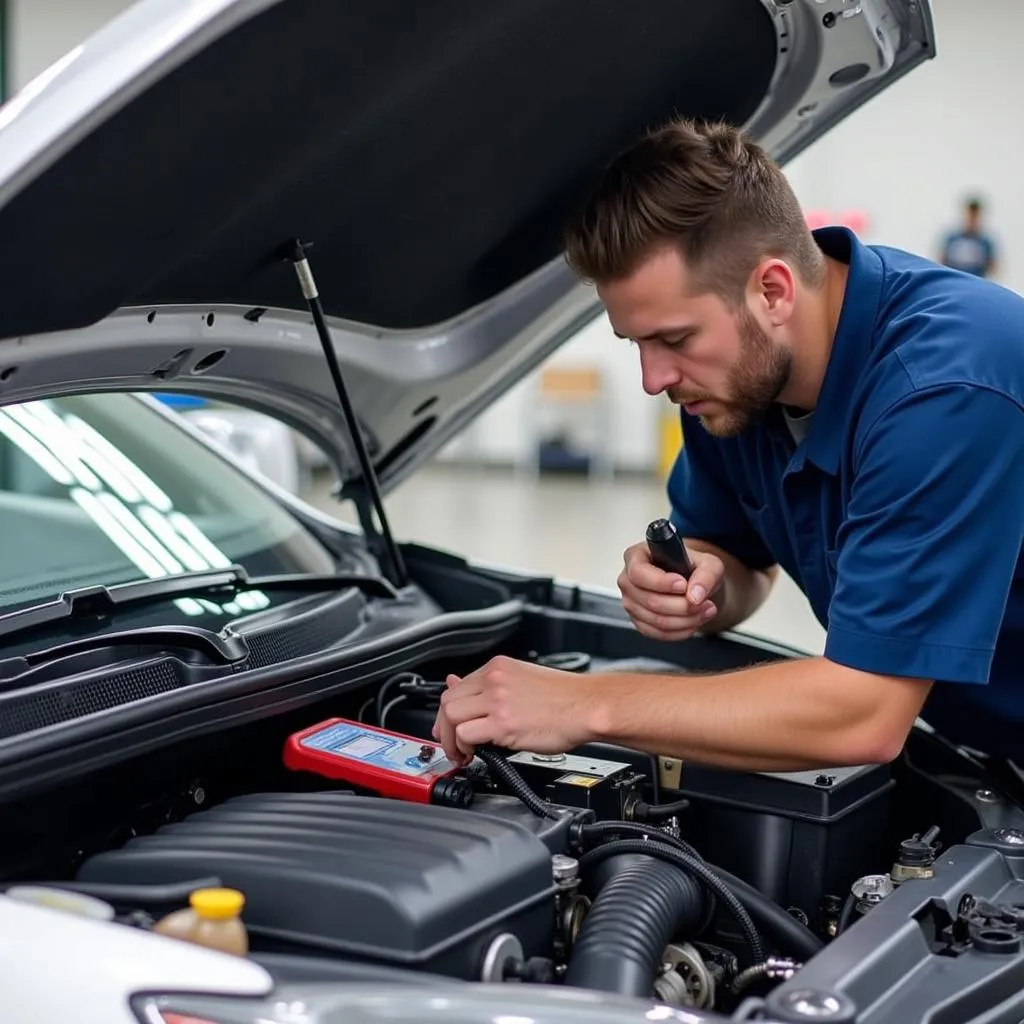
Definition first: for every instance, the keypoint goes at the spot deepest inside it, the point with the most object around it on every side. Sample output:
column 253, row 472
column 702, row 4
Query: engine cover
column 376, row 880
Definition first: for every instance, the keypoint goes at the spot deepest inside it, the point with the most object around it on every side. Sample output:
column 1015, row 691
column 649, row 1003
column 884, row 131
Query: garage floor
column 572, row 528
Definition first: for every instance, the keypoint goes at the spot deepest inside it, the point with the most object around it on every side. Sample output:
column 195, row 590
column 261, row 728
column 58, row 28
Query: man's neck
column 814, row 331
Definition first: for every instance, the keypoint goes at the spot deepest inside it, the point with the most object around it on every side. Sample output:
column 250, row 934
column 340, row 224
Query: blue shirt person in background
column 970, row 249
column 853, row 415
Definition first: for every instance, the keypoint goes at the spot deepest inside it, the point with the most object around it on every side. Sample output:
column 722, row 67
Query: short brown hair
column 706, row 189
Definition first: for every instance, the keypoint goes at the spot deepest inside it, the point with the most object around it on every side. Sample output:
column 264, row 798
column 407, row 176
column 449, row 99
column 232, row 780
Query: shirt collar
column 850, row 346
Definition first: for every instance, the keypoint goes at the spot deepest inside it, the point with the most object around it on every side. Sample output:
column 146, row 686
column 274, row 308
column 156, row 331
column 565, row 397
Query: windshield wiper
column 97, row 602
column 224, row 648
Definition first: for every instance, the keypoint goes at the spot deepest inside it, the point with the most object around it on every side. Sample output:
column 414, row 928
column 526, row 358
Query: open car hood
column 430, row 154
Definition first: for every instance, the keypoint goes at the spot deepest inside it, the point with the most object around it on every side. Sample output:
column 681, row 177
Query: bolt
column 986, row 796
column 564, row 869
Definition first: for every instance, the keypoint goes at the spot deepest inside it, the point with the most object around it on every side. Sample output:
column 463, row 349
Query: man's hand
column 662, row 604
column 513, row 704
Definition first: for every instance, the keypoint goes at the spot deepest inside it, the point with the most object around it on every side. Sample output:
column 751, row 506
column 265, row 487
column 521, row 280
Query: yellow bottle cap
column 216, row 904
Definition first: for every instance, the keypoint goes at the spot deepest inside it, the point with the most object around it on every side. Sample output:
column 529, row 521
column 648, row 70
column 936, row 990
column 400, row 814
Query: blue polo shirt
column 900, row 514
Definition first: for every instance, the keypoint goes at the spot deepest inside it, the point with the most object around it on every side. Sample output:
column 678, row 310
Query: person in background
column 970, row 249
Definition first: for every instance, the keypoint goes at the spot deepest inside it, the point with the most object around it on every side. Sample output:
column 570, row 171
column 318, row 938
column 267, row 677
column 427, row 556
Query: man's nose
column 658, row 370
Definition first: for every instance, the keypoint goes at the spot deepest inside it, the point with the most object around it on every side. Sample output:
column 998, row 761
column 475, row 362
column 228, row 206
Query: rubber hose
column 601, row 874
column 504, row 771
column 795, row 939
column 631, row 921
column 627, row 829
column 659, row 812
column 675, row 856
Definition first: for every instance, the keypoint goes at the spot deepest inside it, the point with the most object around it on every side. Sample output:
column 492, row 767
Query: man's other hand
column 512, row 704
column 663, row 605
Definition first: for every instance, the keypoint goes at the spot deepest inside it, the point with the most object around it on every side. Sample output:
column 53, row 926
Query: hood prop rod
column 398, row 574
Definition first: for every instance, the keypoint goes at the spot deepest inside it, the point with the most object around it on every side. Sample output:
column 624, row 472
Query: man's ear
column 774, row 290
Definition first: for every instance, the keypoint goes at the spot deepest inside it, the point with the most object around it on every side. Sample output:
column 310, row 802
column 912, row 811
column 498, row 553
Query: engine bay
column 361, row 852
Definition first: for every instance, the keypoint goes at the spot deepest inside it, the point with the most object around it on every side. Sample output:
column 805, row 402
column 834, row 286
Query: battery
column 607, row 788
column 384, row 762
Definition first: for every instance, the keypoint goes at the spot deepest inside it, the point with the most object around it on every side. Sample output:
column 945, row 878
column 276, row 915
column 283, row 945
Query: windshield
column 104, row 489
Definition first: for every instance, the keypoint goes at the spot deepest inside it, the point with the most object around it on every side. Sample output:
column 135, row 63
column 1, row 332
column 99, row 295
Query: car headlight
column 204, row 1009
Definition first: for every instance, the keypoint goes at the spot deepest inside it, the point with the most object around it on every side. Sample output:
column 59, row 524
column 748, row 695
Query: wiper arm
column 224, row 648
column 90, row 602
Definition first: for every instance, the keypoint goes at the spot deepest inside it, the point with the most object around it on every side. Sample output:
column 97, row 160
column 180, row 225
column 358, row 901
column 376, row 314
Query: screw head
column 986, row 796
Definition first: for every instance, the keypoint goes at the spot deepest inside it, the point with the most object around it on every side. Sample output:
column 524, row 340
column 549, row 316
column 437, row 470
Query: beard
column 754, row 383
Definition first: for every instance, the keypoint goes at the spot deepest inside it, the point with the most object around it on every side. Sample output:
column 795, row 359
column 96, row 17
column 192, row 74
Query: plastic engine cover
column 361, row 877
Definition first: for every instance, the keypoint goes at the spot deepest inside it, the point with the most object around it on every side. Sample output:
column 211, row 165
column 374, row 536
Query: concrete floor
column 573, row 529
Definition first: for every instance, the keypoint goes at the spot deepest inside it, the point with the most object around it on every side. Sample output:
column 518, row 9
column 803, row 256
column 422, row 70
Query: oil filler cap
column 804, row 1005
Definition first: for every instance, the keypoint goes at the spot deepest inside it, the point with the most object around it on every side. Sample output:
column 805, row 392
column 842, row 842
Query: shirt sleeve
column 926, row 557
column 705, row 505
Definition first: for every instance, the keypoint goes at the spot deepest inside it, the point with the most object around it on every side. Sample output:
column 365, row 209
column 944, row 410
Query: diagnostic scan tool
column 387, row 763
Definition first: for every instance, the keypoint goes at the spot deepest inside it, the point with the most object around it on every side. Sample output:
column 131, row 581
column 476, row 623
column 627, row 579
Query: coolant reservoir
column 211, row 919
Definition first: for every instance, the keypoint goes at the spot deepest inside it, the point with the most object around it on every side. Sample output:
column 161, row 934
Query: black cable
column 847, row 914
column 773, row 969
column 605, row 828
column 504, row 771
column 395, row 680
column 797, row 939
column 673, row 855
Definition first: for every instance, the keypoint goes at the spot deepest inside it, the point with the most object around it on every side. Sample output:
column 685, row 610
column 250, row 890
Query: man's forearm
column 743, row 590
column 780, row 717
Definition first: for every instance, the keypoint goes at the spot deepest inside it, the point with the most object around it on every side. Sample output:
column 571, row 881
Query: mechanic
column 852, row 414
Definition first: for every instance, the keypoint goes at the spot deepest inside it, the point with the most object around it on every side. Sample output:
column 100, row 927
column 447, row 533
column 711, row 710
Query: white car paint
column 61, row 967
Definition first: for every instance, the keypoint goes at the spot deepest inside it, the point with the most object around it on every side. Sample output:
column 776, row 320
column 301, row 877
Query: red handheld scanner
column 388, row 763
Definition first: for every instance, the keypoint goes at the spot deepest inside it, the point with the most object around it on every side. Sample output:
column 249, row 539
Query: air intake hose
column 633, row 918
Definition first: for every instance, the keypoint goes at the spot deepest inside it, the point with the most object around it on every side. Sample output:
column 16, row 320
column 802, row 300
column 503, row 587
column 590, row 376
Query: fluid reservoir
column 212, row 919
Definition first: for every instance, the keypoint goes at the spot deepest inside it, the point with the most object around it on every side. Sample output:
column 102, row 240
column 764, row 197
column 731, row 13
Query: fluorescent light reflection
column 130, row 508
column 125, row 542
column 35, row 450
column 151, row 493
column 49, row 429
